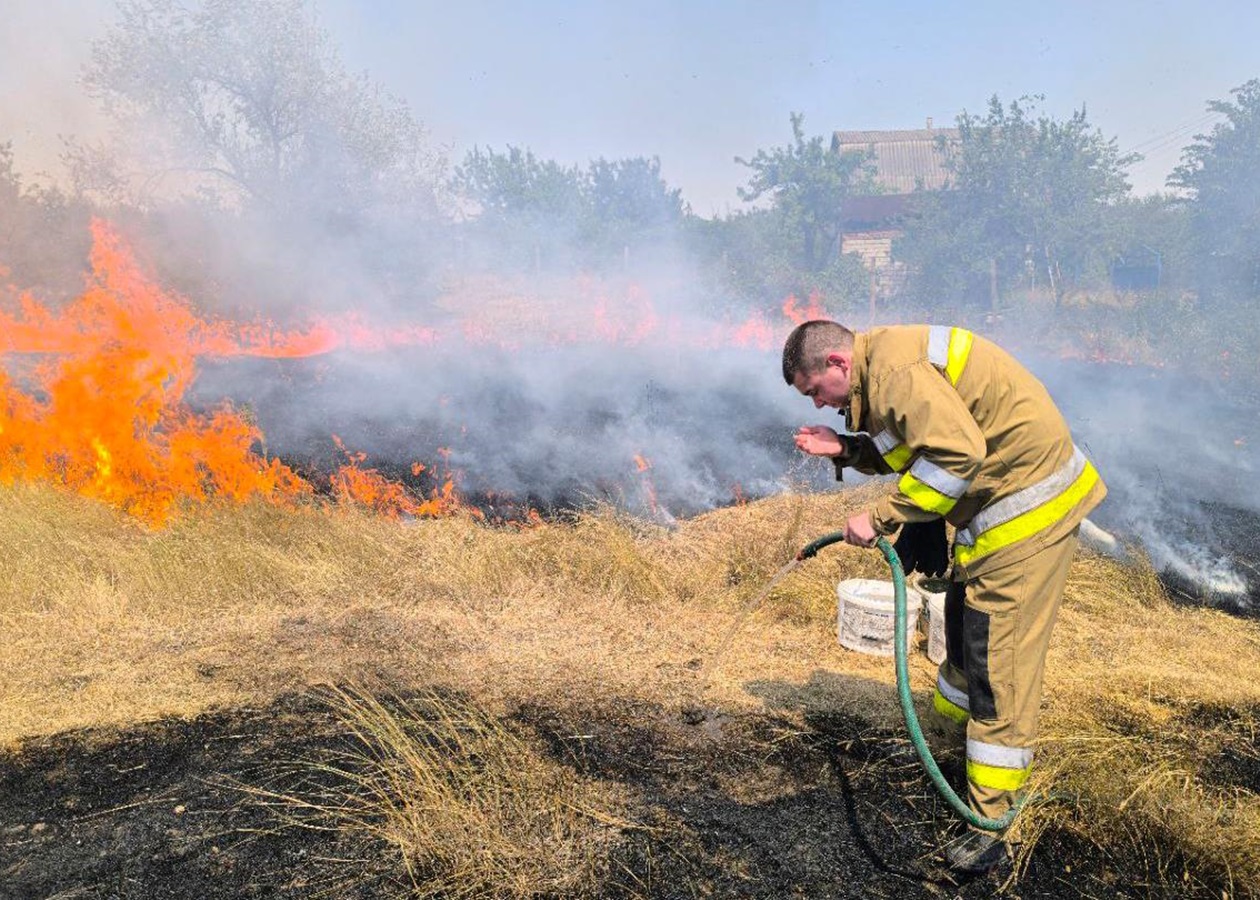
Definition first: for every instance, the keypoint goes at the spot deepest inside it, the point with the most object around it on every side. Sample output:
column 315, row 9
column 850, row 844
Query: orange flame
column 106, row 416
column 809, row 314
column 98, row 404
column 644, row 465
column 368, row 487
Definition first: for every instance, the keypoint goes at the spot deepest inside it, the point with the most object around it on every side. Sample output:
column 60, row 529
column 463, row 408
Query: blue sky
column 699, row 83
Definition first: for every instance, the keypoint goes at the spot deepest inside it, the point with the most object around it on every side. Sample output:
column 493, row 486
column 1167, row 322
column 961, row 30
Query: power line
column 1171, row 136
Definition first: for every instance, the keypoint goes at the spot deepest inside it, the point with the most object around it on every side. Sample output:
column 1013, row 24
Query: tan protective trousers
column 996, row 642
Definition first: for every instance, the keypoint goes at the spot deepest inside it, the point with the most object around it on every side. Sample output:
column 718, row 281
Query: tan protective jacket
column 977, row 440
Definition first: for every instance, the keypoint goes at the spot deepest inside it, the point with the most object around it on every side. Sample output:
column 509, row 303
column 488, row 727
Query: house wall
column 874, row 247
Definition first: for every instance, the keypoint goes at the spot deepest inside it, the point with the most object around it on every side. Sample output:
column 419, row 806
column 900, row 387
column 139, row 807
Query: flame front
column 101, row 410
column 92, row 395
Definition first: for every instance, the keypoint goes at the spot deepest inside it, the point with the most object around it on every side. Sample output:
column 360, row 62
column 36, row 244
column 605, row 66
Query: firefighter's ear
column 840, row 360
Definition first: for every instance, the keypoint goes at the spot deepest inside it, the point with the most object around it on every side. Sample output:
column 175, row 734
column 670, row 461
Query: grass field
column 428, row 634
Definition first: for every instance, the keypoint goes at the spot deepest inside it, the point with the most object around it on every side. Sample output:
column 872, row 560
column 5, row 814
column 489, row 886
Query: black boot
column 976, row 852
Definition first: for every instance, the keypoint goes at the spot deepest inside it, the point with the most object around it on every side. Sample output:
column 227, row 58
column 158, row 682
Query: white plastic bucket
column 865, row 615
column 933, row 593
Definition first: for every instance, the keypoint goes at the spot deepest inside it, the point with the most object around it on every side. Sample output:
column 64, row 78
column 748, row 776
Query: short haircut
column 810, row 343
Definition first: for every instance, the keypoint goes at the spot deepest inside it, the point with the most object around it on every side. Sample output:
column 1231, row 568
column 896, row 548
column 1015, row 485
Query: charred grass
column 516, row 706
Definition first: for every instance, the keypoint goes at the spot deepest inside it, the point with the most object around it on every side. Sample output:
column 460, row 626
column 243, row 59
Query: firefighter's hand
column 819, row 440
column 860, row 531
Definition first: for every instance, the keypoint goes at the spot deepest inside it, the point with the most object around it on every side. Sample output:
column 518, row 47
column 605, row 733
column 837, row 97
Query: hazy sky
column 699, row 83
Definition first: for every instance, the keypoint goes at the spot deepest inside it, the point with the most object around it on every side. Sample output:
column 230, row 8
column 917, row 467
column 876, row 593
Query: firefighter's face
column 830, row 385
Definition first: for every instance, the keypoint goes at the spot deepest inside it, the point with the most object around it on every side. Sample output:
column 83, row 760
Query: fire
column 810, row 313
column 353, row 484
column 92, row 394
column 644, row 466
column 104, row 414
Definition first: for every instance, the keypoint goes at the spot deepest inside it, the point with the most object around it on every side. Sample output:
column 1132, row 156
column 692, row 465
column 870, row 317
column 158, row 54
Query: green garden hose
column 901, row 653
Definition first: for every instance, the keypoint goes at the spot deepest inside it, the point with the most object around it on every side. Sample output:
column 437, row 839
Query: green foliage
column 1028, row 198
column 807, row 185
column 517, row 185
column 43, row 234
column 534, row 211
column 758, row 255
column 1220, row 173
column 247, row 102
column 630, row 200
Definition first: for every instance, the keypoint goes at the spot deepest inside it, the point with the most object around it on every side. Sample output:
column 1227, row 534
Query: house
column 905, row 161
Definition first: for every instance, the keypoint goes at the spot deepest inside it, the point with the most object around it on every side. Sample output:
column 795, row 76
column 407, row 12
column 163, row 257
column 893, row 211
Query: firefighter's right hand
column 859, row 530
column 819, row 440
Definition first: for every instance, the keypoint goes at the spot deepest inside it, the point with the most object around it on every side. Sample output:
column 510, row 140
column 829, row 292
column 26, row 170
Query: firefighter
column 978, row 443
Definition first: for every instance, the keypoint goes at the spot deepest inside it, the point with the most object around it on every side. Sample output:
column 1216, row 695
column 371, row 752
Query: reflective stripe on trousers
column 994, row 766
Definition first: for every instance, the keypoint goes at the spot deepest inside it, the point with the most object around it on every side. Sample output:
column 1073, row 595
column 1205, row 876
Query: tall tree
column 1025, row 204
column 249, row 101
column 1220, row 173
column 807, row 185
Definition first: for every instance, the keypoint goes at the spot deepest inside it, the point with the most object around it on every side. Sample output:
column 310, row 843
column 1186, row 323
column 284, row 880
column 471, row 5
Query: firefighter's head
column 818, row 362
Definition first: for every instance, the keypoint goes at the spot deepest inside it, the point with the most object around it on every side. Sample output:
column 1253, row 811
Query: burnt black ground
column 154, row 811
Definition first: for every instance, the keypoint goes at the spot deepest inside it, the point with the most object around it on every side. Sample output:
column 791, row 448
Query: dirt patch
column 749, row 805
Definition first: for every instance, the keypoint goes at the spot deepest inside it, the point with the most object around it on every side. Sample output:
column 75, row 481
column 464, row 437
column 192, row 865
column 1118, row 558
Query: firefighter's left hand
column 860, row 531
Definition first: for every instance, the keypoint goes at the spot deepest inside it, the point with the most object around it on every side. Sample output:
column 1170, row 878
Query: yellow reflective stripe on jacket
column 995, row 766
column 959, row 350
column 898, row 457
column 924, row 495
column 932, row 487
column 948, row 349
column 895, row 453
column 1029, row 523
column 1026, row 512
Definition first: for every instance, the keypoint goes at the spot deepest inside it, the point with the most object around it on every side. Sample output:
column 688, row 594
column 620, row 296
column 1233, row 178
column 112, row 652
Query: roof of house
column 904, row 159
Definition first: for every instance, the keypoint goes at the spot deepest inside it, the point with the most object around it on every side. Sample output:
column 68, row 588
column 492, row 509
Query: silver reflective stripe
column 993, row 755
column 937, row 478
column 951, row 693
column 938, row 345
column 885, row 441
column 1021, row 502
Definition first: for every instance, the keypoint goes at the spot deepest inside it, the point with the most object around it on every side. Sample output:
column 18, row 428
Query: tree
column 808, row 185
column 43, row 235
column 530, row 207
column 247, row 101
column 516, row 185
column 629, row 202
column 1025, row 205
column 1220, row 173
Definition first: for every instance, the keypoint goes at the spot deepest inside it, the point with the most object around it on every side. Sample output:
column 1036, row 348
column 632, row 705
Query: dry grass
column 102, row 622
column 1148, row 705
column 469, row 807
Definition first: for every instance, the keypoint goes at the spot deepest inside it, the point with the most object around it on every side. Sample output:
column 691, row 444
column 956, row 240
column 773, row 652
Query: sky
column 700, row 83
